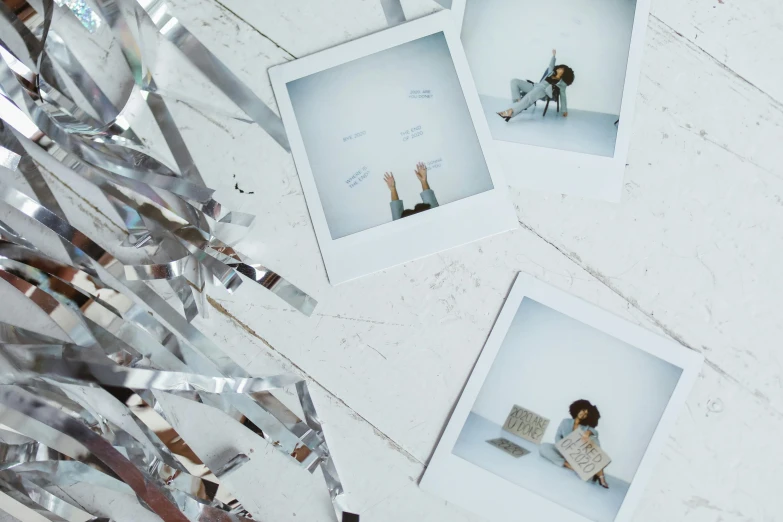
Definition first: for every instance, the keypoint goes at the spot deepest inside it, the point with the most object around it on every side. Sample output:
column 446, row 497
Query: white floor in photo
column 536, row 474
column 582, row 131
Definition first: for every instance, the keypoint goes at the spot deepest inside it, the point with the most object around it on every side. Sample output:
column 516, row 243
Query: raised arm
column 396, row 204
column 421, row 175
column 427, row 194
column 552, row 62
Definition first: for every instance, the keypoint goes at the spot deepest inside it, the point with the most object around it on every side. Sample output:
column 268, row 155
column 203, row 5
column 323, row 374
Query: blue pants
column 552, row 454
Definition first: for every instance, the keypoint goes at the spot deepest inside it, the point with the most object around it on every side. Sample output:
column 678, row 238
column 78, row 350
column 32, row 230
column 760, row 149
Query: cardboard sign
column 526, row 424
column 584, row 456
column 509, row 447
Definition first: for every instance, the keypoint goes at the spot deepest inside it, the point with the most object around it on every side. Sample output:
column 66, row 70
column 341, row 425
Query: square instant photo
column 589, row 395
column 391, row 148
column 563, row 77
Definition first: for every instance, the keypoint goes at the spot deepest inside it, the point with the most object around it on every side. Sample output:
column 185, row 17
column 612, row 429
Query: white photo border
column 488, row 495
column 422, row 234
column 580, row 174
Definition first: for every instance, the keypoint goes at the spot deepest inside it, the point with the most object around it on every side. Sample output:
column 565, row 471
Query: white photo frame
column 458, row 222
column 495, row 496
column 578, row 173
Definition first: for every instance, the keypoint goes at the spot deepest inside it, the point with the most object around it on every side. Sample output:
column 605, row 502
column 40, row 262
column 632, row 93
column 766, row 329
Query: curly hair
column 592, row 412
column 568, row 74
column 420, row 207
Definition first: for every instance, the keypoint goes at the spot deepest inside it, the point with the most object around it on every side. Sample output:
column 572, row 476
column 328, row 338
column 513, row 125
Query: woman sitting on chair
column 584, row 417
column 524, row 94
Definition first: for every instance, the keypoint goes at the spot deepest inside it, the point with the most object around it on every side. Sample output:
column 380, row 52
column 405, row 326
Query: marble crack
column 399, row 449
column 86, row 202
column 359, row 319
column 705, row 136
column 776, row 103
column 254, row 28
column 214, row 122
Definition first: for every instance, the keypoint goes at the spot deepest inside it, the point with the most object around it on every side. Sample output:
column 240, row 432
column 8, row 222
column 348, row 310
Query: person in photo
column 584, row 417
column 525, row 94
column 398, row 210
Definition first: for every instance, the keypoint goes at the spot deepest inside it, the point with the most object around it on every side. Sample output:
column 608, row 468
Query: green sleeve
column 396, row 209
column 428, row 196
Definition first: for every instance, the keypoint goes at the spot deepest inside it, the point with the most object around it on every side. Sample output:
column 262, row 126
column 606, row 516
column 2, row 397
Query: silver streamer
column 392, row 10
column 89, row 410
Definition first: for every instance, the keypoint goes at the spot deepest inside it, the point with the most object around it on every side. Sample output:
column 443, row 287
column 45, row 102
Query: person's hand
column 586, row 435
column 554, row 52
column 389, row 179
column 421, row 172
column 565, row 115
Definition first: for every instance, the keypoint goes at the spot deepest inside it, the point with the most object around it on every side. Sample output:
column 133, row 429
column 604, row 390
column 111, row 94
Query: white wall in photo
column 548, row 360
column 507, row 39
column 386, row 112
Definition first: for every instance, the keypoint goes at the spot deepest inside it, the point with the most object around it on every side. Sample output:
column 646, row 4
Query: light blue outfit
column 551, row 453
column 427, row 196
column 528, row 93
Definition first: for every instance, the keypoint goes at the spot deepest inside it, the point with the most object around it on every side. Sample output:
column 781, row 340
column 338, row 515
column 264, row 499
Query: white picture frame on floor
column 355, row 253
column 536, row 319
column 541, row 167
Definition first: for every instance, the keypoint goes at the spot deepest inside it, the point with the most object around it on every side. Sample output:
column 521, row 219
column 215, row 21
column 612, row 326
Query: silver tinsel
column 89, row 410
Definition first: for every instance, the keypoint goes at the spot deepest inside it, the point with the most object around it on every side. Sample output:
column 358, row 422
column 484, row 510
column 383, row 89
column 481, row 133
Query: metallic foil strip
column 270, row 424
column 243, row 219
column 12, row 334
column 30, row 406
column 195, row 498
column 220, row 75
column 62, row 57
column 170, row 381
column 153, row 446
column 238, row 218
column 66, row 327
column 171, row 270
column 141, row 379
column 392, row 9
column 83, row 12
column 171, row 134
column 139, row 329
column 99, row 315
column 38, row 500
column 328, row 467
column 185, row 294
column 8, row 159
column 224, row 274
column 50, row 220
column 72, row 323
column 150, row 446
column 99, row 326
column 104, row 331
column 277, row 422
column 115, row 160
column 69, row 133
column 32, row 46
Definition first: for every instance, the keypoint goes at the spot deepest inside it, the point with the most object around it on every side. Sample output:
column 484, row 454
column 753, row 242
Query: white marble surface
column 694, row 252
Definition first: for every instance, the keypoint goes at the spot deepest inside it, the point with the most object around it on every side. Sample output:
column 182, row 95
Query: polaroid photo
column 588, row 396
column 392, row 148
column 558, row 85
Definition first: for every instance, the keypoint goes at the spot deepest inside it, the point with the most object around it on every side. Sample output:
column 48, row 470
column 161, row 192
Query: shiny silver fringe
column 88, row 411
